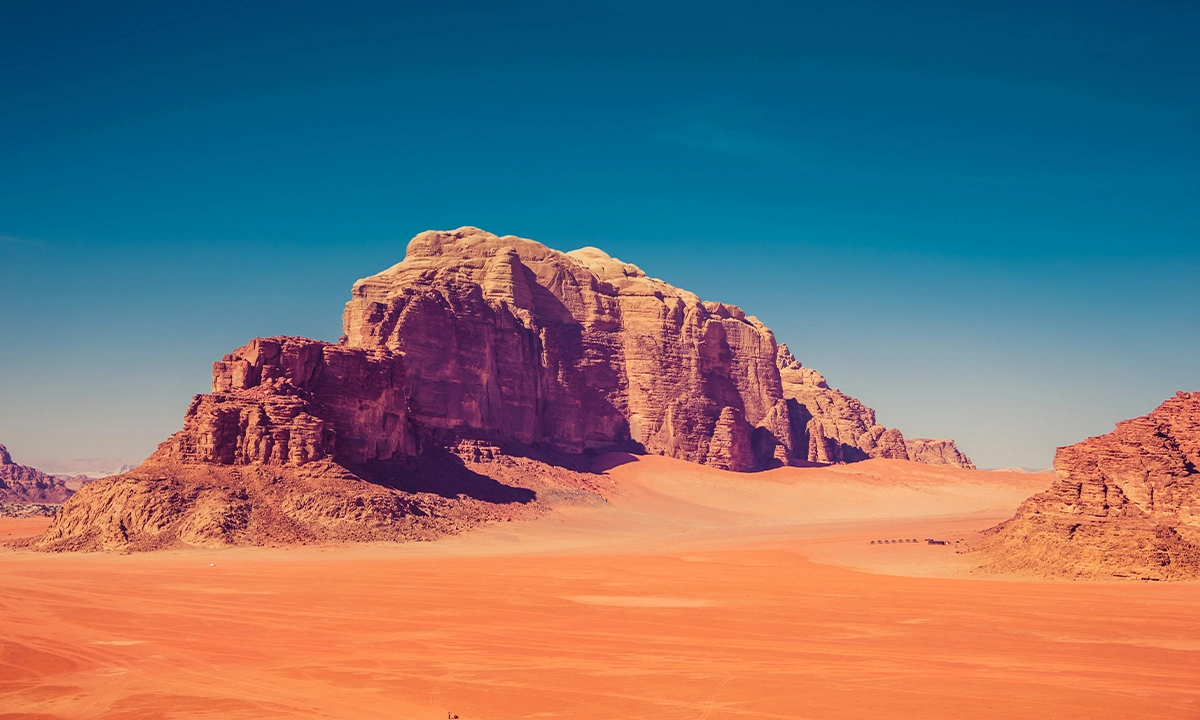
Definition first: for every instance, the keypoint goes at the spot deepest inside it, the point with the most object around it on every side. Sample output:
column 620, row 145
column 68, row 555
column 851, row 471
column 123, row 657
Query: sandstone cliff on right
column 1124, row 505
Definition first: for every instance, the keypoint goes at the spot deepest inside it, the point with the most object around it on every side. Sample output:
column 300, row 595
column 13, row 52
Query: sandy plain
column 693, row 593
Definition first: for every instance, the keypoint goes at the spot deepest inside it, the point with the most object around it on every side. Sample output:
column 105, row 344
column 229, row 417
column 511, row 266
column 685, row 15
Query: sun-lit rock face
column 475, row 374
column 289, row 401
column 504, row 338
column 1125, row 504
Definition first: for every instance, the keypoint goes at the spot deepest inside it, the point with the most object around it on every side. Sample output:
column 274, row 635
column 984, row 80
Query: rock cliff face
column 1125, row 504
column 832, row 427
column 935, row 451
column 503, row 340
column 508, row 340
column 290, row 401
column 21, row 484
column 473, row 341
column 164, row 504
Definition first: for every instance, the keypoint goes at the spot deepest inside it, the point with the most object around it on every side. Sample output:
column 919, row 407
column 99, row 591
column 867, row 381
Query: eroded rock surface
column 1125, row 504
column 475, row 350
column 935, row 451
column 164, row 504
column 506, row 339
column 20, row 484
column 291, row 401
column 831, row 426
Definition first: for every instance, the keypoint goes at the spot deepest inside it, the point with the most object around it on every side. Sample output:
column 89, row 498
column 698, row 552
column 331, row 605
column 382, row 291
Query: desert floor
column 693, row 594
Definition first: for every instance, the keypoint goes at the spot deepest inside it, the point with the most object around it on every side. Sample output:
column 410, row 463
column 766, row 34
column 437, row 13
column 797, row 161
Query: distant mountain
column 91, row 467
column 23, row 484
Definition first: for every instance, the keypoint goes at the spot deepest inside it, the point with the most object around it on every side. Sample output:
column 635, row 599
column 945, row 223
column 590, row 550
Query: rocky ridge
column 1123, row 505
column 474, row 353
column 164, row 504
column 26, row 486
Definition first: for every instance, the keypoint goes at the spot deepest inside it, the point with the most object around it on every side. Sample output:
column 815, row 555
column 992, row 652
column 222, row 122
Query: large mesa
column 1123, row 505
column 477, row 347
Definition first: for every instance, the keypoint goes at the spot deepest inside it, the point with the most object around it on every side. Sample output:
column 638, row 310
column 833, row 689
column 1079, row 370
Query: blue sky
column 981, row 219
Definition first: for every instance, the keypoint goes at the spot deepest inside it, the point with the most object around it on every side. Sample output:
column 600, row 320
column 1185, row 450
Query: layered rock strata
column 504, row 340
column 1124, row 505
column 20, row 484
column 473, row 341
column 290, row 401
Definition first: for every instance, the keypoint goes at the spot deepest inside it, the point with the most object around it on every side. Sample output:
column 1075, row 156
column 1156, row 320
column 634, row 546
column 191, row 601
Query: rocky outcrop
column 291, row 401
column 1125, row 505
column 935, row 451
column 480, row 342
column 20, row 484
column 164, row 504
column 506, row 339
column 832, row 426
column 503, row 340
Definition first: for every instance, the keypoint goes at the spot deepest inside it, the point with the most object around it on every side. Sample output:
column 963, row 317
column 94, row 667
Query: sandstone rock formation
column 935, row 451
column 473, row 341
column 1125, row 504
column 832, row 426
column 25, row 485
column 508, row 340
column 166, row 504
column 290, row 401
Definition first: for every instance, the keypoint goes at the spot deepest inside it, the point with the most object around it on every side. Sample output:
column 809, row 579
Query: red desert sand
column 694, row 593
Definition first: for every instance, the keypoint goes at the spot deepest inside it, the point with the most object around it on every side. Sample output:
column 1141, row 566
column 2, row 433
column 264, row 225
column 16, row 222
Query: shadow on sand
column 440, row 472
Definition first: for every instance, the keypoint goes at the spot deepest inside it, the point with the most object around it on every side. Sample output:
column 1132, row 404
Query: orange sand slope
column 693, row 594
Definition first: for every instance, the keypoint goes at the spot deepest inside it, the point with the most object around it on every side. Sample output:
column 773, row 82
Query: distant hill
column 91, row 467
column 21, row 484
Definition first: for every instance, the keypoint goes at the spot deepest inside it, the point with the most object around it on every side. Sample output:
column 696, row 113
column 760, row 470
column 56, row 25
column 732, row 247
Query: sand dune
column 693, row 593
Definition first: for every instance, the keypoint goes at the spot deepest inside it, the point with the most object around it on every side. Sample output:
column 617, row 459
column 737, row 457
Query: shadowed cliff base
column 439, row 472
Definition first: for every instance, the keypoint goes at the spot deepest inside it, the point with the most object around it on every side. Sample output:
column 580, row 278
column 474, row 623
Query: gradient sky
column 981, row 219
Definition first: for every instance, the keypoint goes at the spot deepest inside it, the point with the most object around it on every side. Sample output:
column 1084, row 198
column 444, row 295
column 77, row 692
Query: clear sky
column 980, row 218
